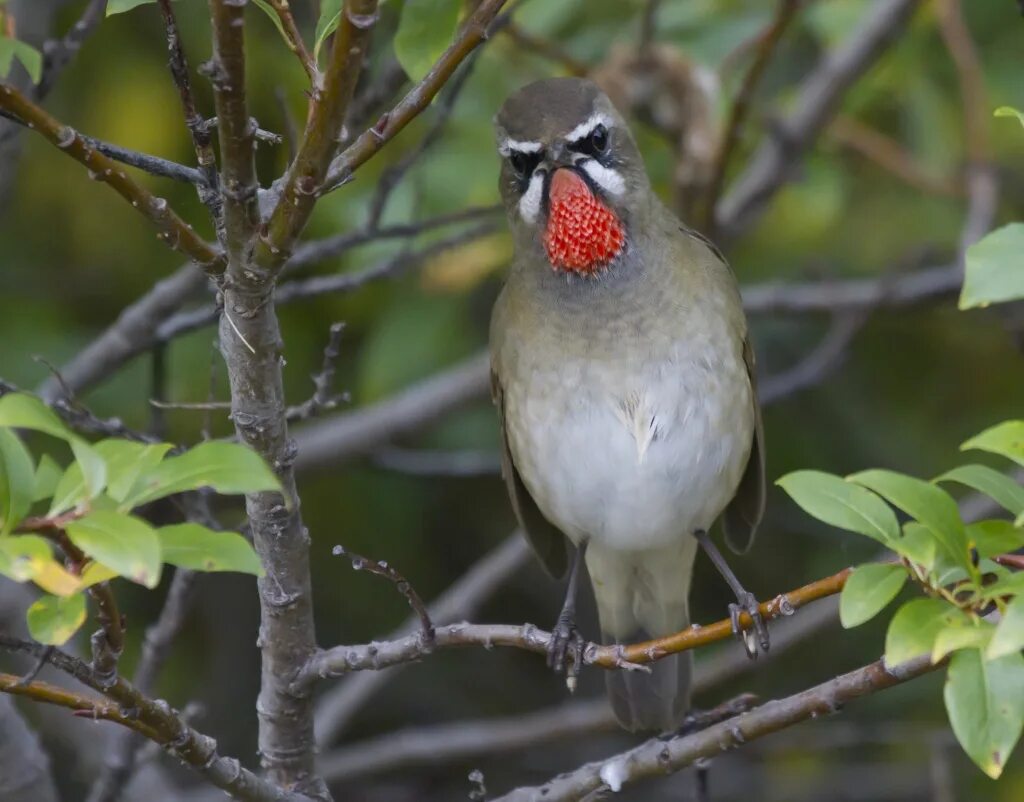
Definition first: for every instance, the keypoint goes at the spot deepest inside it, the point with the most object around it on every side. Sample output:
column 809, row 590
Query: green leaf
column 1009, row 111
column 22, row 411
column 125, row 543
column 917, row 545
column 82, row 481
column 985, row 703
column 915, row 626
column 21, row 556
column 17, row 480
column 992, row 270
column 926, row 503
column 53, row 620
column 995, row 537
column 226, row 467
column 330, row 15
column 1005, row 439
column 868, row 590
column 94, row 469
column 1009, row 637
column 126, row 461
column 998, row 486
column 48, row 473
column 30, row 58
column 120, row 6
column 425, row 30
column 269, row 11
column 201, row 549
column 839, row 503
column 951, row 639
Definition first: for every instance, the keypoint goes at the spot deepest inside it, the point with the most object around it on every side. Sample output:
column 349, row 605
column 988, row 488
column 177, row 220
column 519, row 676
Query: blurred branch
column 304, row 180
column 460, row 601
column 174, row 231
column 657, row 757
column 971, row 78
column 816, row 100
column 154, row 719
column 322, row 399
column 58, row 53
column 342, row 659
column 546, row 48
column 649, row 23
column 25, row 771
column 226, row 71
column 740, row 108
column 209, row 189
column 449, row 463
column 890, row 155
column 473, row 31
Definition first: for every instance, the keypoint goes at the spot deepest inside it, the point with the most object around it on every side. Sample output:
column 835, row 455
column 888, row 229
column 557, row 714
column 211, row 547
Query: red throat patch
column 583, row 235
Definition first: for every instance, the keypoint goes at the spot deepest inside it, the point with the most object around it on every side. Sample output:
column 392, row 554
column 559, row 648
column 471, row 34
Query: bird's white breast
column 633, row 452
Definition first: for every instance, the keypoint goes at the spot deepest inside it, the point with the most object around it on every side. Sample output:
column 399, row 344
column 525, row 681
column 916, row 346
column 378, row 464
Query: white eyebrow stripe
column 506, row 147
column 588, row 125
column 529, row 204
column 608, row 179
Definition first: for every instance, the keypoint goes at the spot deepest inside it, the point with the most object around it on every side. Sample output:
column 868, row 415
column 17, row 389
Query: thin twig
column 473, row 32
column 768, row 40
column 174, row 231
column 209, row 190
column 323, row 399
column 295, row 42
column 57, row 54
column 381, row 568
column 546, row 48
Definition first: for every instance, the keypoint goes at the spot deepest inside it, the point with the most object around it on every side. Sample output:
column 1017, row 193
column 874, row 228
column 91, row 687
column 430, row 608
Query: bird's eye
column 593, row 144
column 523, row 163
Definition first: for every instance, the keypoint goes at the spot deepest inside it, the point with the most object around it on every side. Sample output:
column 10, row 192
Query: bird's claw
column 746, row 603
column 565, row 651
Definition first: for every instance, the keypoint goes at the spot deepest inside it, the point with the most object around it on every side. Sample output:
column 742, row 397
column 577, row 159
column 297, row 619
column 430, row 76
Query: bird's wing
column 547, row 540
column 744, row 512
column 746, row 509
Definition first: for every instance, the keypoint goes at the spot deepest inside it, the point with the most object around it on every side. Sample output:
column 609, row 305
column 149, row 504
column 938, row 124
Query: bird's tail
column 644, row 595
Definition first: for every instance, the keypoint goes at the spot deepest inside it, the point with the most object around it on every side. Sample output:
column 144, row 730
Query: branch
column 460, row 601
column 657, row 757
column 57, row 54
column 226, row 70
column 153, row 718
column 816, row 100
column 375, row 656
column 174, row 231
column 767, row 42
column 473, row 32
column 322, row 399
column 293, row 38
column 209, row 190
column 305, row 177
column 25, row 771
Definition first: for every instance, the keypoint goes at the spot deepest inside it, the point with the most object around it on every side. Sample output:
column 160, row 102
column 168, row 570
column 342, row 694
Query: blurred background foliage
column 916, row 382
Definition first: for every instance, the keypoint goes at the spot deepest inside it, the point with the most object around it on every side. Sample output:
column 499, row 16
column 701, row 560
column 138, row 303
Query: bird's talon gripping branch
column 565, row 651
column 746, row 603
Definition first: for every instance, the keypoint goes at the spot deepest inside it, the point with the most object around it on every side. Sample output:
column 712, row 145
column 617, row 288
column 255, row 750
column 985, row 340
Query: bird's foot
column 565, row 651
column 746, row 603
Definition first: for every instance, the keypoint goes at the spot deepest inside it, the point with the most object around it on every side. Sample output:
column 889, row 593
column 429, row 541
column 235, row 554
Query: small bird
column 624, row 382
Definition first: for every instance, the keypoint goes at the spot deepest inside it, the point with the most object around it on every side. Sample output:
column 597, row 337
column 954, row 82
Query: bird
column 623, row 377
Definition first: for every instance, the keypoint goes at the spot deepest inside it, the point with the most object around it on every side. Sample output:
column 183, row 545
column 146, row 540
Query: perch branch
column 174, row 231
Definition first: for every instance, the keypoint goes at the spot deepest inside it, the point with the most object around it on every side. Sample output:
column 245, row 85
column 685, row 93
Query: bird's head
column 572, row 178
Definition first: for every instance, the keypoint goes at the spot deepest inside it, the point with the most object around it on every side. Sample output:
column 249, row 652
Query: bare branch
column 174, row 231
column 303, row 183
column 154, row 719
column 657, row 757
column 375, row 656
column 793, row 135
column 209, row 190
column 57, row 54
column 226, row 70
column 460, row 601
column 322, row 399
column 473, row 32
column 295, row 42
column 767, row 42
